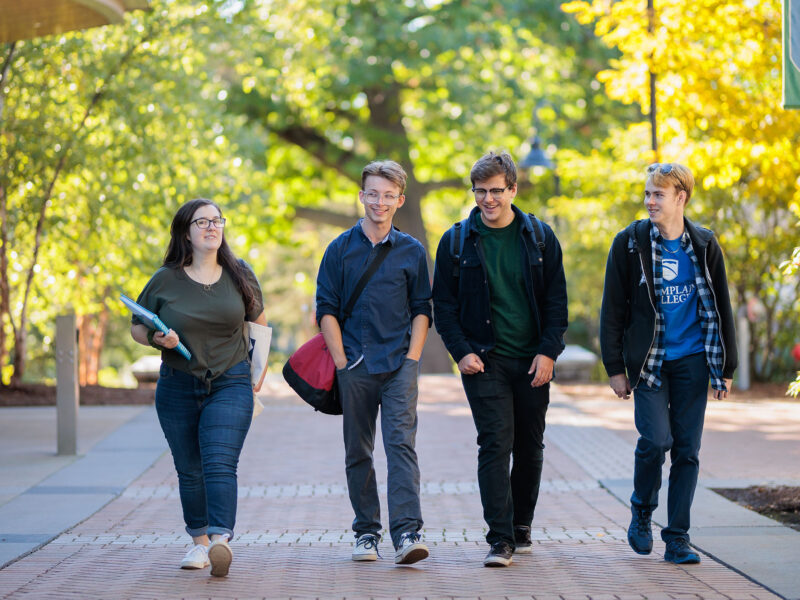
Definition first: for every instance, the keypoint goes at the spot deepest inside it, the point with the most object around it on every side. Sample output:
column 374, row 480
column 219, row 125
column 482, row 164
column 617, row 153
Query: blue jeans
column 670, row 419
column 396, row 394
column 205, row 425
column 509, row 416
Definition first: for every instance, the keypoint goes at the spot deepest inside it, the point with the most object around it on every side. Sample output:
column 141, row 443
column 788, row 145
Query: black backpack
column 459, row 230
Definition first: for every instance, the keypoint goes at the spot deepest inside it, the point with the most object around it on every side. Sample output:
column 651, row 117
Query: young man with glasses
column 376, row 350
column 666, row 318
column 500, row 301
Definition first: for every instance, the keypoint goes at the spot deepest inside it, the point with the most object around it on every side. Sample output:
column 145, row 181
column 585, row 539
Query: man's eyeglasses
column 388, row 199
column 203, row 223
column 497, row 193
column 663, row 168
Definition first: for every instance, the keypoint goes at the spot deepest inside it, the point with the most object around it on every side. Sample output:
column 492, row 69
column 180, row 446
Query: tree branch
column 328, row 217
column 345, row 162
column 430, row 186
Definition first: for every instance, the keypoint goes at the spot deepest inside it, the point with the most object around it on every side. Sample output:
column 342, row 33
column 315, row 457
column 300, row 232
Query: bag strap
column 458, row 230
column 365, row 277
column 537, row 229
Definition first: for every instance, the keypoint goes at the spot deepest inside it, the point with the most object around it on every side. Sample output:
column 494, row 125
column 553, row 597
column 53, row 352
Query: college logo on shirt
column 669, row 267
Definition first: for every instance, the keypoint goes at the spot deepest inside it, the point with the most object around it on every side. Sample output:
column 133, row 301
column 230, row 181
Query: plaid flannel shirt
column 706, row 312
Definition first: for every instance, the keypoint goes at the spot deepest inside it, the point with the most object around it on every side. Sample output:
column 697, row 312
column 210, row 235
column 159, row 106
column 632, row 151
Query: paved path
column 293, row 529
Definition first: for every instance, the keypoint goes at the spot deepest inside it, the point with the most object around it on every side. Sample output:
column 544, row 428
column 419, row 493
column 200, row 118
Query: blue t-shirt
column 678, row 303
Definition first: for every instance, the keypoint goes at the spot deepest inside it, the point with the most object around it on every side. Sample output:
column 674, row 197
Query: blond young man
column 376, row 350
column 666, row 319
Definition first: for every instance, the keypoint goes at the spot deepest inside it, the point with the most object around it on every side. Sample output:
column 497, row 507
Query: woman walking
column 205, row 404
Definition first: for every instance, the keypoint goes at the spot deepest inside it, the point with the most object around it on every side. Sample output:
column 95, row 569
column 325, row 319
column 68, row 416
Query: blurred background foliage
column 272, row 108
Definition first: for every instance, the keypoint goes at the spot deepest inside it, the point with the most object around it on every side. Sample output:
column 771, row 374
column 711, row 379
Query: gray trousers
column 396, row 394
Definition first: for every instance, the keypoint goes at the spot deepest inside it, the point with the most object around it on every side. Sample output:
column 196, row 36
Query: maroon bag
column 311, row 373
column 310, row 370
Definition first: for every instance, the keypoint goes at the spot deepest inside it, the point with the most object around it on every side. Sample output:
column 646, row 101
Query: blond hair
column 672, row 174
column 388, row 169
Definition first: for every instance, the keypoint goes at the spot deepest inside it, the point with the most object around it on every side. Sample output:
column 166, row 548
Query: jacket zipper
column 655, row 313
column 716, row 310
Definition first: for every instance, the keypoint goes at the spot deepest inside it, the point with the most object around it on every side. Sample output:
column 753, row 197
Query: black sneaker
column 522, row 539
column 499, row 555
column 679, row 552
column 640, row 535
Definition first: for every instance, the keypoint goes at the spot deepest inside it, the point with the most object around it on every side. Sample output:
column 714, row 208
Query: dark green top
column 209, row 319
column 511, row 312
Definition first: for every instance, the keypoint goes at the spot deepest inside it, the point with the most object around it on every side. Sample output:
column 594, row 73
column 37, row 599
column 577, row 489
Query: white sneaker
column 196, row 558
column 410, row 549
column 366, row 547
column 220, row 555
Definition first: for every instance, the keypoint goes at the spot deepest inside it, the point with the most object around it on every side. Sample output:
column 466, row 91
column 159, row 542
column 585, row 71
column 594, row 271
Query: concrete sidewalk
column 293, row 535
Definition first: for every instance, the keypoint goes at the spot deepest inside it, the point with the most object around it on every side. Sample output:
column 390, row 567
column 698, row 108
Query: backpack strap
column 633, row 241
column 537, row 229
column 459, row 230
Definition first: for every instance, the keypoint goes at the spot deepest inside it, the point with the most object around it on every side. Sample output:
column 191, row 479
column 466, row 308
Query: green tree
column 433, row 85
column 104, row 134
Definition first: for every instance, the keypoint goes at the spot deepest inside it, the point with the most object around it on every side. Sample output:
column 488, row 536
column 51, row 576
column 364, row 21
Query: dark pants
column 670, row 419
column 396, row 394
column 509, row 416
column 205, row 429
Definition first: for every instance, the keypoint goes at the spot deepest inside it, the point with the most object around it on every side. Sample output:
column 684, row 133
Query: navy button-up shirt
column 379, row 327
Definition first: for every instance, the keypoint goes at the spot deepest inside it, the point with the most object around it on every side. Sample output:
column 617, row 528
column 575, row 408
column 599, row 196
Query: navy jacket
column 462, row 308
column 628, row 317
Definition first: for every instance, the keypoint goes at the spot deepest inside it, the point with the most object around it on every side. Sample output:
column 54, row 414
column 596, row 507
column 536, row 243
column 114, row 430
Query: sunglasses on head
column 663, row 168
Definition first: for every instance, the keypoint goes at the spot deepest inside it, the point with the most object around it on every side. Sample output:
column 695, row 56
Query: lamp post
column 536, row 157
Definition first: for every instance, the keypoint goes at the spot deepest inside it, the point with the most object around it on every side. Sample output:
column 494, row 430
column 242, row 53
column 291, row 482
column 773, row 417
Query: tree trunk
column 5, row 303
column 20, row 352
column 92, row 331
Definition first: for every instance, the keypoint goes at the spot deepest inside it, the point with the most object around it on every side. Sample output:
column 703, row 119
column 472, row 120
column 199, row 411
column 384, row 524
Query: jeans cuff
column 197, row 531
column 214, row 530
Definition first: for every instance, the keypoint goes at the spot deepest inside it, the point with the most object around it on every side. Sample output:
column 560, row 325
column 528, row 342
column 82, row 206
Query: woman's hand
column 169, row 340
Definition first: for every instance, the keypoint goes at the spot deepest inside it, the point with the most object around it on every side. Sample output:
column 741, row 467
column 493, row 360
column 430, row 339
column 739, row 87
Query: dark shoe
column 522, row 539
column 499, row 555
column 679, row 552
column 640, row 535
column 411, row 549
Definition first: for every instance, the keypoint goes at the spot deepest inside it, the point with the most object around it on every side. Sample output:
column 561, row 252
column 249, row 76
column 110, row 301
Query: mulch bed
column 35, row 394
column 781, row 503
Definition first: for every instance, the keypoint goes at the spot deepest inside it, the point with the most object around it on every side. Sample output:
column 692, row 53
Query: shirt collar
column 655, row 235
column 390, row 237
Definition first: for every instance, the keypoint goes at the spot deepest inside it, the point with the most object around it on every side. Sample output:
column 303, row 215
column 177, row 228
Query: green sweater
column 208, row 319
column 511, row 312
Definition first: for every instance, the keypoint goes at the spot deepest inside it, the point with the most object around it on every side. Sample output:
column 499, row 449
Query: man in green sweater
column 500, row 305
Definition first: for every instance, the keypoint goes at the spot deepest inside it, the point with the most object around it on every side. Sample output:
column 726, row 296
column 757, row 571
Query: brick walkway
column 294, row 538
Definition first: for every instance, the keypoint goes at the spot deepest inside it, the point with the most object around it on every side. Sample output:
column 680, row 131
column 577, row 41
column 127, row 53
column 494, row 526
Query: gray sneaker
column 410, row 549
column 366, row 547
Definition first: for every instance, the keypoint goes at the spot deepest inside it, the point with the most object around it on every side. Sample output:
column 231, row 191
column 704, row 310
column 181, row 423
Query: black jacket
column 628, row 314
column 462, row 308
